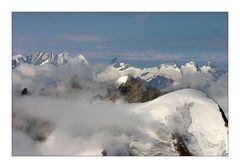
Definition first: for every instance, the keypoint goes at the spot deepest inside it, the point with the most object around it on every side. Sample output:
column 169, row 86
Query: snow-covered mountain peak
column 17, row 59
column 210, row 65
column 62, row 58
column 41, row 58
column 168, row 65
column 189, row 67
column 80, row 59
column 122, row 80
column 215, row 72
column 17, row 56
column 121, row 66
column 170, row 70
column 114, row 60
column 190, row 63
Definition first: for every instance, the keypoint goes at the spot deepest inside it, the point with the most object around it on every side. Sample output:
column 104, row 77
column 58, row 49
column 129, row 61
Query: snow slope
column 193, row 116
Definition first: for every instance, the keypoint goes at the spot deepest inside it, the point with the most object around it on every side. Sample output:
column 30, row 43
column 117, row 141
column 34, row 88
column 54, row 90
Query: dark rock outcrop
column 180, row 146
column 223, row 116
column 160, row 82
column 114, row 61
column 104, row 153
column 135, row 90
column 221, row 111
column 24, row 92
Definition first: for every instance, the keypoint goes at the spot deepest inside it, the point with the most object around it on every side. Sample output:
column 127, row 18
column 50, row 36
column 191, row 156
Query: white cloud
column 25, row 40
column 141, row 17
column 83, row 38
column 213, row 56
column 102, row 47
column 158, row 55
column 137, row 55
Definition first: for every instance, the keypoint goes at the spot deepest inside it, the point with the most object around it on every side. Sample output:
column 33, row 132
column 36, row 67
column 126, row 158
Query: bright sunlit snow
column 122, row 80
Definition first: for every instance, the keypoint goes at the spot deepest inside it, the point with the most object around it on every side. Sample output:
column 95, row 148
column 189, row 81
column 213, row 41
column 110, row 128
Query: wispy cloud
column 102, row 47
column 90, row 38
column 213, row 56
column 26, row 39
column 137, row 55
column 141, row 17
column 217, row 43
column 152, row 54
column 159, row 55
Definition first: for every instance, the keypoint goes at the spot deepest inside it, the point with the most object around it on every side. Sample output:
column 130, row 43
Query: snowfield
column 190, row 113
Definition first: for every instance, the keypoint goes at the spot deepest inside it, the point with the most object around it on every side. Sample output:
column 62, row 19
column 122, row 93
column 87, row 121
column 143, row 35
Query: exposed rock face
column 104, row 153
column 135, row 90
column 160, row 82
column 223, row 116
column 25, row 91
column 225, row 119
column 181, row 147
column 114, row 60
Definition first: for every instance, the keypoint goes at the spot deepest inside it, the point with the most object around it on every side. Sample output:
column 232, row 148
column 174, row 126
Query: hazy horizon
column 143, row 39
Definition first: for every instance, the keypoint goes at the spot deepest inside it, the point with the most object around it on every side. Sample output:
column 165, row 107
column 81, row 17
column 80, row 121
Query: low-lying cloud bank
column 77, row 120
column 64, row 97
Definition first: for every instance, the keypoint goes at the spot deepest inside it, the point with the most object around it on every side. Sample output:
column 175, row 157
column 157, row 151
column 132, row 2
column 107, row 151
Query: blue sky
column 139, row 38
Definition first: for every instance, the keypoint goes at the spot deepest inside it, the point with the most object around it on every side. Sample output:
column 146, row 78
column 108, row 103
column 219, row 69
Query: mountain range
column 41, row 58
column 169, row 70
column 160, row 77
